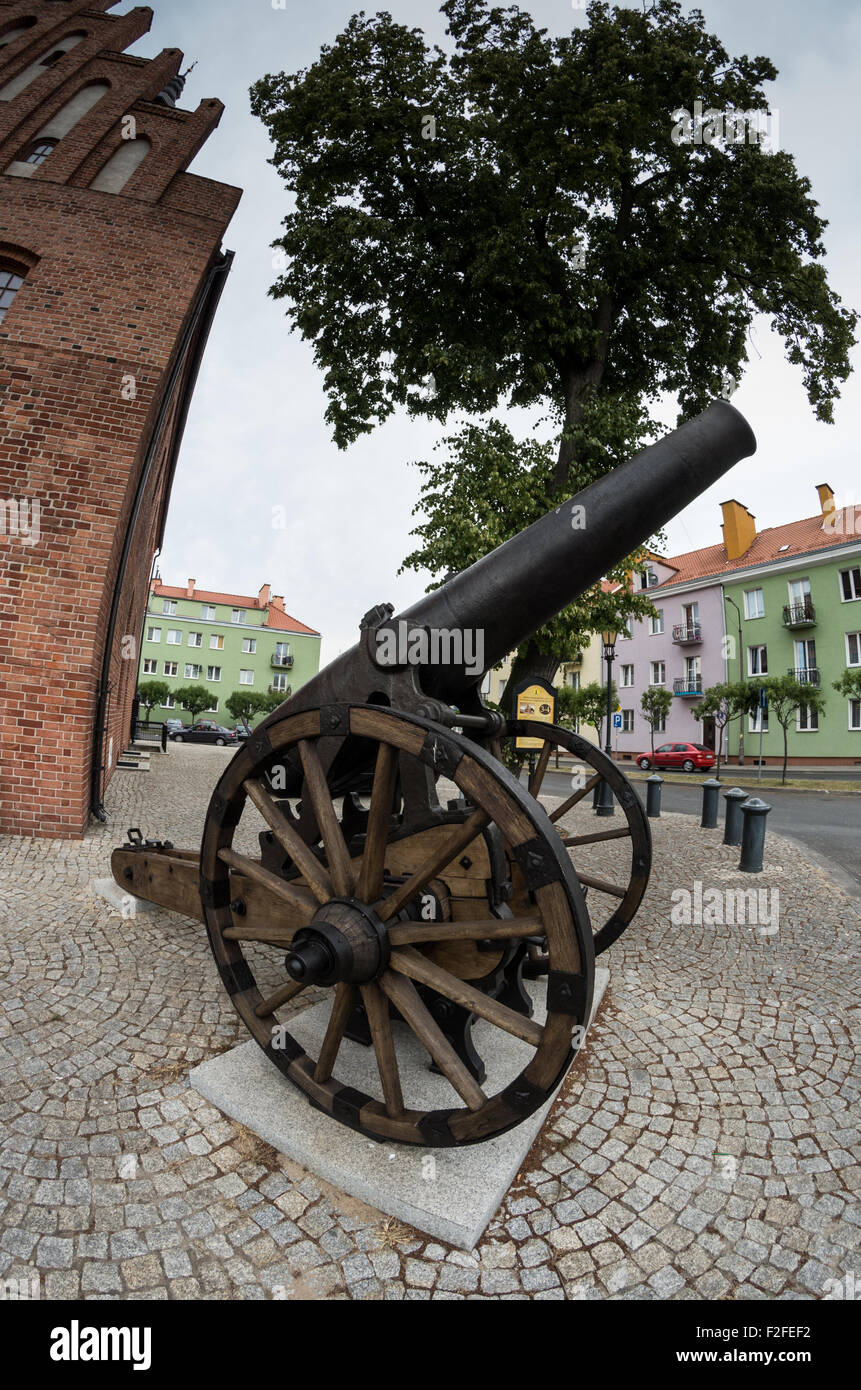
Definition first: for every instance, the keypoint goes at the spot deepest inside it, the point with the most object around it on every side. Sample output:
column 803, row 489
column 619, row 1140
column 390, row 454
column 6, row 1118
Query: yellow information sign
column 538, row 703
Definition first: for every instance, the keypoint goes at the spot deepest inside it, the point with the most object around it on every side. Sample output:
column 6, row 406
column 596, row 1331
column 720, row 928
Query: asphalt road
column 825, row 823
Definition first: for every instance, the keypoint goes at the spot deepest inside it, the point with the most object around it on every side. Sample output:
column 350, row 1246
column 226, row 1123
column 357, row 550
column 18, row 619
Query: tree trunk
column 719, row 751
column 533, row 663
column 785, row 753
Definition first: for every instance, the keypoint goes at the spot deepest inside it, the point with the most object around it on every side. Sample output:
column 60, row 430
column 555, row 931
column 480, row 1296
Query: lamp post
column 604, row 805
column 741, row 677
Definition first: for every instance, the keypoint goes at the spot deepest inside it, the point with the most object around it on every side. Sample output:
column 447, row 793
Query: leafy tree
column 589, row 706
column 722, row 703
column 194, row 698
column 515, row 219
column 483, row 488
column 512, row 223
column 785, row 695
column 849, row 683
column 152, row 693
column 656, row 703
column 247, row 704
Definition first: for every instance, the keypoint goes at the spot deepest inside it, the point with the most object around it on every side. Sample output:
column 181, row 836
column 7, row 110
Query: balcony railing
column 801, row 614
column 281, row 663
column 286, row 691
column 684, row 633
column 688, row 686
column 806, row 675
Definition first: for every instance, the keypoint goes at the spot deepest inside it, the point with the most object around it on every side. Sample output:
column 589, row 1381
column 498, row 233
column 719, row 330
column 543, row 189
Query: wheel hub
column 345, row 941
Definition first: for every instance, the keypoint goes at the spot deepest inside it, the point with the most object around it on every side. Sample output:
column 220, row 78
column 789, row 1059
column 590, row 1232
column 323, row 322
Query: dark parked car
column 690, row 757
column 204, row 731
column 241, row 732
column 174, row 726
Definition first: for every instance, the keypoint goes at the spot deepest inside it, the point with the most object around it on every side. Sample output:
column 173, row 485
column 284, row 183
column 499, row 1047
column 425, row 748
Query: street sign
column 763, row 697
column 617, row 721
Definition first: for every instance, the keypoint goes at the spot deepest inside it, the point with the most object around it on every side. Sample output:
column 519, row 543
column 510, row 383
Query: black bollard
column 711, row 793
column 754, row 812
column 732, row 825
column 653, row 795
column 605, row 805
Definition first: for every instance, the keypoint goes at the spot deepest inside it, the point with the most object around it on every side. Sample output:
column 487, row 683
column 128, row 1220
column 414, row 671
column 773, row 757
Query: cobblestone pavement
column 704, row 1146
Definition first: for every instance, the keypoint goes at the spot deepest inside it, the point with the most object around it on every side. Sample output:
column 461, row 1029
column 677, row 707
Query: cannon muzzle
column 516, row 589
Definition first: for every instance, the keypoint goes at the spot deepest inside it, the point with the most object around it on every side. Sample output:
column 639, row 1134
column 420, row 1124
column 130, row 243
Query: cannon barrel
column 513, row 591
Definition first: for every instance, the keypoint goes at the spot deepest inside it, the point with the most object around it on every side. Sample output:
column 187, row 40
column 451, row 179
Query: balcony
column 801, row 614
column 285, row 693
column 688, row 687
column 806, row 675
column 281, row 663
column 686, row 633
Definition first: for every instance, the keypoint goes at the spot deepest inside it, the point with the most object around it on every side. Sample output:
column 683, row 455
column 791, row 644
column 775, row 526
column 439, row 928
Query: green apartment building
column 226, row 642
column 793, row 603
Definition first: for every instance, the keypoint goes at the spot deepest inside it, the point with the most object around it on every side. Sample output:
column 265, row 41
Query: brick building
column 111, row 269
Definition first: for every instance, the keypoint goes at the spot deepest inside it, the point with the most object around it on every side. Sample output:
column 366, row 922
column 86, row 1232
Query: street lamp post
column 604, row 806
column 741, row 677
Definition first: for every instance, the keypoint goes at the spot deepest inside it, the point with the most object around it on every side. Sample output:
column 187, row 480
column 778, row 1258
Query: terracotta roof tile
column 277, row 618
column 799, row 537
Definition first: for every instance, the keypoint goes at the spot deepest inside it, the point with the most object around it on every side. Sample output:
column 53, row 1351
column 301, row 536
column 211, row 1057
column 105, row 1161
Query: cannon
column 369, row 845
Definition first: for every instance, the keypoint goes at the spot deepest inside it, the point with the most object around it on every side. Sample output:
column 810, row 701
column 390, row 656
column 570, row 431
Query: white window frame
column 174, row 672
column 169, row 703
column 216, row 642
column 809, row 727
column 174, row 637
column 207, row 613
column 857, row 636
column 150, row 666
column 195, row 639
column 243, row 674
column 213, row 709
column 656, row 625
column 249, row 646
column 279, row 681
column 151, row 634
column 663, row 677
column 627, row 721
column 168, row 607
column 854, row 708
column 762, row 649
column 753, row 721
column 192, row 671
column 209, row 671
column 856, row 595
column 661, row 725
column 237, row 615
column 748, row 593
column 624, row 672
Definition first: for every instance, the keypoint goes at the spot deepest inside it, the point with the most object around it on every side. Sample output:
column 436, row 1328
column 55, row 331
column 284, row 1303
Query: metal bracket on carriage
column 137, row 841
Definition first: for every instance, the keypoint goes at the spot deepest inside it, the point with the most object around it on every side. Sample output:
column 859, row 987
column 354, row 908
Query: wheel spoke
column 406, row 1000
column 377, row 1010
column 488, row 929
column 342, row 1007
column 599, row 835
column 370, row 884
column 600, row 884
column 577, row 796
column 540, row 768
column 452, row 844
column 289, row 893
column 301, row 853
column 327, row 821
column 267, row 1006
column 408, row 961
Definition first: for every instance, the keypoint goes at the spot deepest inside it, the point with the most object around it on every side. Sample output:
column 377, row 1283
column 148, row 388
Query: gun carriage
column 369, row 842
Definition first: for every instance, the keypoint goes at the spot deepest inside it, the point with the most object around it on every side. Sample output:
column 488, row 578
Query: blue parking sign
column 617, row 721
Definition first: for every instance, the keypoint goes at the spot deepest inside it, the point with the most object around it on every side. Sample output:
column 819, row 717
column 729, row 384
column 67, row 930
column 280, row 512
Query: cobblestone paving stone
column 705, row 1145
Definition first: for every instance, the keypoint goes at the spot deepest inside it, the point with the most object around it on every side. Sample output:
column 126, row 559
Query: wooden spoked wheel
column 614, row 894
column 341, row 919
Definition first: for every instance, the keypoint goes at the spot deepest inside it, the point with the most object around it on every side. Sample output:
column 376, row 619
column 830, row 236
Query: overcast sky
column 256, row 437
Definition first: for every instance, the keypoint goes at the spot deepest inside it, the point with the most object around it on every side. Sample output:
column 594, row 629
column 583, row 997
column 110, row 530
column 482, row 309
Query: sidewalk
column 704, row 1145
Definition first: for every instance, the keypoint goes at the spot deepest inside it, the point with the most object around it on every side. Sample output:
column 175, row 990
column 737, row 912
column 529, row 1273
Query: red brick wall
column 111, row 285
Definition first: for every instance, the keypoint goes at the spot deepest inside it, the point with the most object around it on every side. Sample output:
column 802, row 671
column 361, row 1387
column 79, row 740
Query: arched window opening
column 74, row 110
column 115, row 174
column 23, row 80
column 37, row 151
column 21, row 27
column 11, row 280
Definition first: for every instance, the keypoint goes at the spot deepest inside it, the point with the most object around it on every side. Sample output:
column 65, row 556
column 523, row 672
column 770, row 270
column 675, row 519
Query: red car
column 690, row 757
